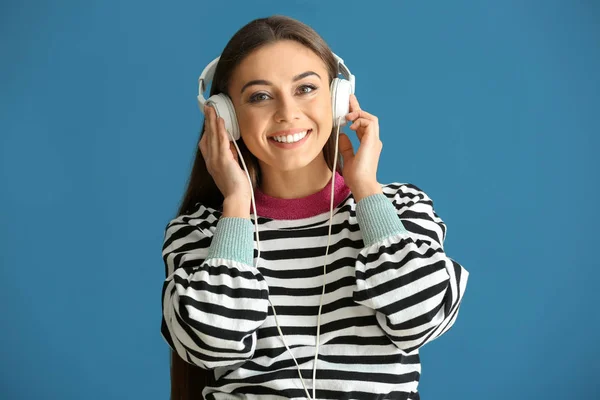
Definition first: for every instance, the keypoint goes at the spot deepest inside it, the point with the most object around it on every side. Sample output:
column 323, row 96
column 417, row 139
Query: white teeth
column 290, row 138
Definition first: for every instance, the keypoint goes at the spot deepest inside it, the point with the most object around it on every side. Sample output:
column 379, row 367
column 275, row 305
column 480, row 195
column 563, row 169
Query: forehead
column 281, row 60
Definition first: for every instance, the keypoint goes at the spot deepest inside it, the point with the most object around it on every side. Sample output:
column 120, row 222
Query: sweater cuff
column 233, row 240
column 377, row 219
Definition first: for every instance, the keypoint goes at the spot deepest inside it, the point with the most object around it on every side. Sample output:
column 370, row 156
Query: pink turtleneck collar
column 304, row 207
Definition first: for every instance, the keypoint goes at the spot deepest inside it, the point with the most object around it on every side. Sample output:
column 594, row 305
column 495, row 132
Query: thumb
column 345, row 147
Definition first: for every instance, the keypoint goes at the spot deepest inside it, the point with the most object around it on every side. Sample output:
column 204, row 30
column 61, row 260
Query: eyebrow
column 264, row 82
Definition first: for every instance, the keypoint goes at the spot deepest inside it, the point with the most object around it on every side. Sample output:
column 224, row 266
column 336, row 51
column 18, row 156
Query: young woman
column 320, row 304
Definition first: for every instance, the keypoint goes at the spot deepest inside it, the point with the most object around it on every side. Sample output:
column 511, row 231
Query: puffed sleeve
column 403, row 272
column 213, row 299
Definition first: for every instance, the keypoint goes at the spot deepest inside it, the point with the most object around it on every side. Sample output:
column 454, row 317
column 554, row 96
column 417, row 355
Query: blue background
column 490, row 107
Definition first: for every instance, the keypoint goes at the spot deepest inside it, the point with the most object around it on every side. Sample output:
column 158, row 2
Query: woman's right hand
column 221, row 158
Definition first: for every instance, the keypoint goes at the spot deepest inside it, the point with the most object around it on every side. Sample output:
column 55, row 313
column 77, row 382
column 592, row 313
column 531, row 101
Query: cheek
column 322, row 108
column 251, row 123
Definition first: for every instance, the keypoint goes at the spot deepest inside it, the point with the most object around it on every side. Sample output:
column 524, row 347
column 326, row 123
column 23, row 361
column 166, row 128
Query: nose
column 287, row 109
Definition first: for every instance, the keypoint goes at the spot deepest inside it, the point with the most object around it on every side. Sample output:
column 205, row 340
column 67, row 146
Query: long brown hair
column 187, row 380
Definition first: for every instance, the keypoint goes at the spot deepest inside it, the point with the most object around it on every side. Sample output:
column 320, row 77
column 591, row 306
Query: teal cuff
column 377, row 218
column 233, row 240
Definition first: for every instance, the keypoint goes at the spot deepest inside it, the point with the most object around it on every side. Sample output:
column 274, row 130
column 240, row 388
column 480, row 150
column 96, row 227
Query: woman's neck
column 296, row 183
column 316, row 203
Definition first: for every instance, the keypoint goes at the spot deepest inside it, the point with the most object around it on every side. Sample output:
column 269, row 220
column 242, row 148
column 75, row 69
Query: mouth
column 295, row 140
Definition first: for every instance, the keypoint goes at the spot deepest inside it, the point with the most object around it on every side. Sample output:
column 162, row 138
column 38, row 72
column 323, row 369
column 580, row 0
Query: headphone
column 340, row 97
column 340, row 105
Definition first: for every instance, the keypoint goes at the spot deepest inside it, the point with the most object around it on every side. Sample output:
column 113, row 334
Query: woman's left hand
column 360, row 169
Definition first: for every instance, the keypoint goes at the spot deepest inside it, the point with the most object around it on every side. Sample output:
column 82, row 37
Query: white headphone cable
column 324, row 265
column 337, row 135
column 256, row 266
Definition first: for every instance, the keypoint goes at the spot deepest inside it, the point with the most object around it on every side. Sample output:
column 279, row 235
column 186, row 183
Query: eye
column 305, row 89
column 255, row 98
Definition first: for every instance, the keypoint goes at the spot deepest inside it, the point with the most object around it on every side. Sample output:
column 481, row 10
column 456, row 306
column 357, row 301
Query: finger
column 351, row 116
column 369, row 127
column 202, row 144
column 354, row 106
column 233, row 151
column 224, row 142
column 205, row 140
column 214, row 136
column 221, row 145
column 345, row 147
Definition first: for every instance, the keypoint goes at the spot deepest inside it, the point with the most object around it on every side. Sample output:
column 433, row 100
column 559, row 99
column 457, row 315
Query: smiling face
column 282, row 89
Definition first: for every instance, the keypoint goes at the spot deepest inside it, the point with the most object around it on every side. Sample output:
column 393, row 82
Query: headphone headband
column 209, row 72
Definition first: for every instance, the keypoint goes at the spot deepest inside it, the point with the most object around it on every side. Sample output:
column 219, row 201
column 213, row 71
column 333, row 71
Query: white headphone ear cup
column 224, row 108
column 340, row 100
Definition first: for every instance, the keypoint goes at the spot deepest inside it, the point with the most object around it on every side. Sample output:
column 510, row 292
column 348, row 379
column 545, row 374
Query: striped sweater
column 390, row 288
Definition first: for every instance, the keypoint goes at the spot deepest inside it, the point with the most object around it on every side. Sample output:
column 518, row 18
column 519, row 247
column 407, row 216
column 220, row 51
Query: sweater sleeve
column 213, row 299
column 403, row 272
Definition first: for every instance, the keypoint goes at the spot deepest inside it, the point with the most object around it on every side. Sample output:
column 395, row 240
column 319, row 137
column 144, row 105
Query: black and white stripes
column 390, row 289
